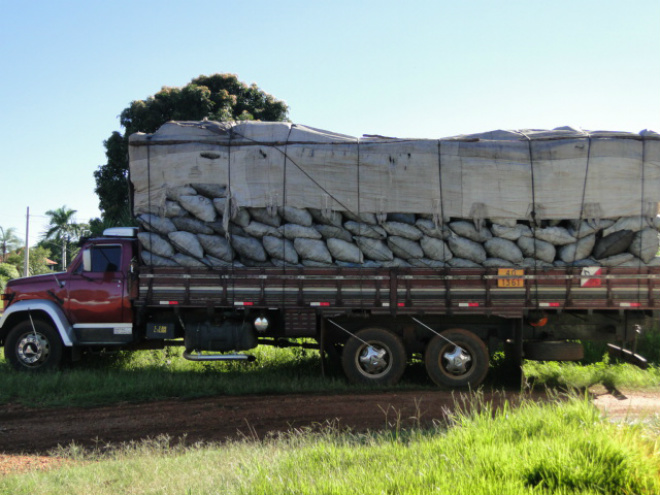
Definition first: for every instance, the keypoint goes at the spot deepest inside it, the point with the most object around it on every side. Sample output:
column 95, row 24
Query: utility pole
column 26, row 263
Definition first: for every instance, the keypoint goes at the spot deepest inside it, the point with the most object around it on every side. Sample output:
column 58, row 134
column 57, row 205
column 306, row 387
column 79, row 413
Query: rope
column 149, row 173
column 642, row 214
column 533, row 222
column 226, row 216
column 439, row 217
column 284, row 190
column 581, row 216
column 359, row 203
column 149, row 181
column 584, row 189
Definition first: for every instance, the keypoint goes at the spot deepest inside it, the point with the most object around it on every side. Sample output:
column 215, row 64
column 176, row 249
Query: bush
column 8, row 271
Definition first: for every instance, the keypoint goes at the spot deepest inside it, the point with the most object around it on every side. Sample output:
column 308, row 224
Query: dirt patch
column 11, row 464
column 627, row 405
column 34, row 432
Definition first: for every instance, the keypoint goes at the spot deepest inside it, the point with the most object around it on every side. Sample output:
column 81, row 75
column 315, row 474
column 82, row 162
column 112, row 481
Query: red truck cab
column 87, row 304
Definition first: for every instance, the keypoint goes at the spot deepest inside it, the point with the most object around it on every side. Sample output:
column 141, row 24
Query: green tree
column 38, row 262
column 220, row 97
column 8, row 241
column 7, row 272
column 63, row 229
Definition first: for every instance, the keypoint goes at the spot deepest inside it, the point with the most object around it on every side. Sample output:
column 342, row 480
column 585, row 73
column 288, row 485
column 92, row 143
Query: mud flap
column 627, row 356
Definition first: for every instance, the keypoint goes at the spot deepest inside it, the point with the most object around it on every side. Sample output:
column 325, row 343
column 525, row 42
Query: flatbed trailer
column 537, row 313
column 509, row 293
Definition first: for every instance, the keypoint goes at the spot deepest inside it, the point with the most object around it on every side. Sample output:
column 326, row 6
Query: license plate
column 510, row 280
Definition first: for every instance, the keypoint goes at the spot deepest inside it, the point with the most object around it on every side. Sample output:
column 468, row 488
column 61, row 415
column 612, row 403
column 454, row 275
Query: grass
column 579, row 376
column 561, row 447
column 152, row 375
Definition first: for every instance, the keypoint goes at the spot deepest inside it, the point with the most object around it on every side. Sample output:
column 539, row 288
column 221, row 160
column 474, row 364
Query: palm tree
column 62, row 228
column 8, row 241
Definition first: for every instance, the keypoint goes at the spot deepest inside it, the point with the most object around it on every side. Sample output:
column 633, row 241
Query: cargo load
column 288, row 195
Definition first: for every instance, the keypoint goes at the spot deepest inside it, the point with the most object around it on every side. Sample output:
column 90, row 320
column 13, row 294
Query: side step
column 217, row 357
column 627, row 356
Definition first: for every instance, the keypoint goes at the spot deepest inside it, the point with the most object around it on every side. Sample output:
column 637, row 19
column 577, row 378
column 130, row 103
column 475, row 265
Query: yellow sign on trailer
column 507, row 277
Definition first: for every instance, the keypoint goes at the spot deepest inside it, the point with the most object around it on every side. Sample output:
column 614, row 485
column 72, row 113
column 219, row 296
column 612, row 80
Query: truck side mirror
column 87, row 260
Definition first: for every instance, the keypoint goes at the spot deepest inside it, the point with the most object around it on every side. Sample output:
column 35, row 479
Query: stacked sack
column 199, row 227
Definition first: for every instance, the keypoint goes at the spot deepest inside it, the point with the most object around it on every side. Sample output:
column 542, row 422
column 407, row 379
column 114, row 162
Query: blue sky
column 425, row 69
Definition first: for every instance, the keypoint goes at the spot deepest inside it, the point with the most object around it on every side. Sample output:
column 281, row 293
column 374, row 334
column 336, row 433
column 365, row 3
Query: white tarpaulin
column 560, row 174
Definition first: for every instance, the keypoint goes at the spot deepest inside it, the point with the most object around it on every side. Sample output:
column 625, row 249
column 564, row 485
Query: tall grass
column 598, row 368
column 150, row 375
column 559, row 447
column 581, row 376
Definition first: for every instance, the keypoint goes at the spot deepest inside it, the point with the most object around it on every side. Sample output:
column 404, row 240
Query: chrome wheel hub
column 373, row 360
column 32, row 349
column 456, row 362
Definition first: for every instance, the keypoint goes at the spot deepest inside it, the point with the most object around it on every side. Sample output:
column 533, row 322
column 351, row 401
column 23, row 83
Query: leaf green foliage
column 123, row 218
column 12, row 260
column 598, row 368
column 220, row 97
column 8, row 271
column 578, row 376
column 8, row 241
column 561, row 447
column 646, row 343
column 62, row 231
column 39, row 256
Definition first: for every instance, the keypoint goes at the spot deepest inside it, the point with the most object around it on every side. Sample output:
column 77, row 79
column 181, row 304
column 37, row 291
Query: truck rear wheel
column 463, row 362
column 32, row 349
column 374, row 356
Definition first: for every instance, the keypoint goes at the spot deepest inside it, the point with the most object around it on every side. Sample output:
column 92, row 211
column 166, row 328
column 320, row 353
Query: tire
column 33, row 349
column 553, row 350
column 450, row 366
column 374, row 356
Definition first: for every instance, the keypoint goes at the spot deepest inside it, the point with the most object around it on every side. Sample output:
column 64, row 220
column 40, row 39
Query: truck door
column 96, row 296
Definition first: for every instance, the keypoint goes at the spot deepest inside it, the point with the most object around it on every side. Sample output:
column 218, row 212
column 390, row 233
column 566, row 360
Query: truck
column 372, row 317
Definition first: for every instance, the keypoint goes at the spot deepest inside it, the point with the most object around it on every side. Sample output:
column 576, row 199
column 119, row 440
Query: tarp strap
column 149, row 181
column 534, row 222
column 438, row 207
column 273, row 210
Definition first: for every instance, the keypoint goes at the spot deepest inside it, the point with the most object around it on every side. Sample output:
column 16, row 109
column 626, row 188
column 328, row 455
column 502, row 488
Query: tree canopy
column 8, row 241
column 63, row 229
column 220, row 97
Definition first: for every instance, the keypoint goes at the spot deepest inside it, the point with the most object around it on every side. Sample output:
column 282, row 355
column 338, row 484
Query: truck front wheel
column 374, row 356
column 29, row 348
column 460, row 359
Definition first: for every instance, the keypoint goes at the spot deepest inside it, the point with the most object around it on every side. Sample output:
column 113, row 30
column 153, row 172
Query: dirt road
column 26, row 430
column 25, row 433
